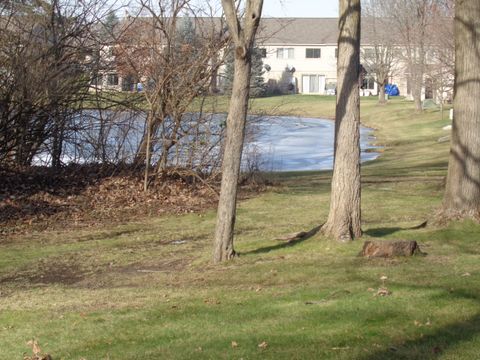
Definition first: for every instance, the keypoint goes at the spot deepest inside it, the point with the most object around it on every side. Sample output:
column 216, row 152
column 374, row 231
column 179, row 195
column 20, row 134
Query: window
column 263, row 52
column 314, row 85
column 285, row 53
column 312, row 53
column 368, row 83
column 112, row 79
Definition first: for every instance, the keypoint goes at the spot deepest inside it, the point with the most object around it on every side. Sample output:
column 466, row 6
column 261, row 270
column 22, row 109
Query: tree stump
column 390, row 248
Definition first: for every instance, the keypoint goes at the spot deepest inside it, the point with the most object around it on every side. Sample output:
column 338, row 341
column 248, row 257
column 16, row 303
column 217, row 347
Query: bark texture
column 386, row 248
column 462, row 195
column 243, row 39
column 344, row 219
column 381, row 94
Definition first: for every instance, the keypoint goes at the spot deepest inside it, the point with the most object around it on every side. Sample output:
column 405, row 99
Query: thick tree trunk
column 419, row 70
column 231, row 160
column 417, row 95
column 462, row 195
column 381, row 94
column 243, row 39
column 344, row 217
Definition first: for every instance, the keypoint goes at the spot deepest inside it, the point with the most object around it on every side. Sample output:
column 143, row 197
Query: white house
column 299, row 56
column 303, row 52
column 306, row 50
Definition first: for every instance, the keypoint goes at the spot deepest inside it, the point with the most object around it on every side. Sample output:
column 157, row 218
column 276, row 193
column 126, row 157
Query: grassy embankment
column 147, row 290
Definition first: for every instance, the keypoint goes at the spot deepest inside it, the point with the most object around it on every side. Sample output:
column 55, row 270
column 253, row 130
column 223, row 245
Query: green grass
column 81, row 294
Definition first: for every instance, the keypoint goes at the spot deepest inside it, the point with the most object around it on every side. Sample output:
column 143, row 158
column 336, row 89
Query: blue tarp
column 392, row 90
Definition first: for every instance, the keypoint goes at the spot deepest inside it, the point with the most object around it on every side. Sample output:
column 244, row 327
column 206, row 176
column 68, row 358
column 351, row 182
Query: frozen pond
column 300, row 144
column 282, row 143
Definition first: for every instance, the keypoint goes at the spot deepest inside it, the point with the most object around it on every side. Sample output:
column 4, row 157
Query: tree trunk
column 381, row 94
column 151, row 129
column 231, row 160
column 148, row 149
column 344, row 217
column 417, row 94
column 462, row 195
column 243, row 38
column 419, row 70
column 167, row 144
column 57, row 143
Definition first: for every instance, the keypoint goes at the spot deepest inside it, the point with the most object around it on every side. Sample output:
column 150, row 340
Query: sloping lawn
column 148, row 290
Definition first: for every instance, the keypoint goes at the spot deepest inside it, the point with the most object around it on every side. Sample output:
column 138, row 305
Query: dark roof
column 307, row 31
column 282, row 31
column 297, row 31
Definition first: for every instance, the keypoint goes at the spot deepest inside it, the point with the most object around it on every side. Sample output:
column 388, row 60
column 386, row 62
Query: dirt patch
column 72, row 274
column 135, row 275
column 49, row 273
column 169, row 265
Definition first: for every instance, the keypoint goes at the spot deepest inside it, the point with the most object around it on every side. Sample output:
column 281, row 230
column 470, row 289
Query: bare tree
column 344, row 219
column 412, row 20
column 462, row 194
column 378, row 57
column 441, row 55
column 173, row 54
column 45, row 75
column 243, row 37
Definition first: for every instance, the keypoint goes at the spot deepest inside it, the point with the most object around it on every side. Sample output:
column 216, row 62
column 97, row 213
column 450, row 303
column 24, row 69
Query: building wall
column 322, row 69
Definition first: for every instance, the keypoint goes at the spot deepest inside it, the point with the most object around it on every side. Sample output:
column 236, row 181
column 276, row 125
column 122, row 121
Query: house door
column 313, row 84
column 306, row 84
column 321, row 84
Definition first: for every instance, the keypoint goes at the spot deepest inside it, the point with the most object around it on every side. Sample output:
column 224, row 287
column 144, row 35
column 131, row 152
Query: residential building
column 300, row 56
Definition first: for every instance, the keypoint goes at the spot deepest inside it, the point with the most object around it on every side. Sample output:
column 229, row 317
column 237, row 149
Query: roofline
column 299, row 17
column 316, row 44
column 291, row 44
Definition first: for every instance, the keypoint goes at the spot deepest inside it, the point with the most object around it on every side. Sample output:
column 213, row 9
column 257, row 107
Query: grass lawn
column 148, row 290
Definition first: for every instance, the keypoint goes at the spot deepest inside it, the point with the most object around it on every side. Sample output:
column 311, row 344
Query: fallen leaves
column 383, row 292
column 341, row 348
column 86, row 194
column 420, row 324
column 212, row 301
column 37, row 352
column 263, row 345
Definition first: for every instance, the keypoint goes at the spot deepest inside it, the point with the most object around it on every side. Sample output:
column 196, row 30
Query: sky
column 300, row 8
column 284, row 8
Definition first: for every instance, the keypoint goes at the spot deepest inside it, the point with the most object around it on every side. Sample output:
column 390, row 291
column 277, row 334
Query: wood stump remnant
column 390, row 248
column 301, row 235
column 293, row 236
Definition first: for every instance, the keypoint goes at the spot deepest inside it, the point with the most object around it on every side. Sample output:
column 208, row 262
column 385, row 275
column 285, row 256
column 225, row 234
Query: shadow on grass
column 289, row 243
column 433, row 343
column 431, row 346
column 381, row 232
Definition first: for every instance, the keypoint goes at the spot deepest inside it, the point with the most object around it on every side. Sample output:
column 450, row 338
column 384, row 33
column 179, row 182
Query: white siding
column 324, row 68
